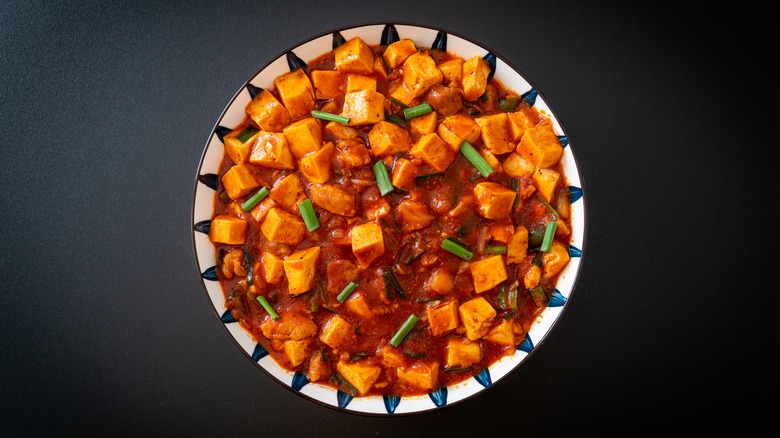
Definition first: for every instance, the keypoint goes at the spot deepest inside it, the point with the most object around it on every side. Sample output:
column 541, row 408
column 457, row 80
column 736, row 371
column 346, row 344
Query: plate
column 206, row 184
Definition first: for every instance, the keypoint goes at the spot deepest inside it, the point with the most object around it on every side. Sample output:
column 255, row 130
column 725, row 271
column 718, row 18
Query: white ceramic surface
column 203, row 201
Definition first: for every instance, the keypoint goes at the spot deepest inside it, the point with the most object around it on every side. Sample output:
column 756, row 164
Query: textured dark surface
column 105, row 108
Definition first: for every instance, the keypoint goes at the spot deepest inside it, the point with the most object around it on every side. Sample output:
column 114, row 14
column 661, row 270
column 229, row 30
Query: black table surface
column 105, row 110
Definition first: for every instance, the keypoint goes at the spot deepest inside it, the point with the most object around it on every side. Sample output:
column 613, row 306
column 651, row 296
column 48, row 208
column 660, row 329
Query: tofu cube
column 555, row 260
column 495, row 133
column 303, row 136
column 296, row 351
column 494, row 200
column 386, row 138
column 420, row 73
column 261, row 209
column 462, row 353
column 413, row 215
column 488, row 273
column 423, row 375
column 358, row 304
column 424, row 124
column 239, row 181
column 517, row 247
column 238, row 143
column 477, row 316
column 391, row 356
column 443, row 317
column 342, row 131
column 354, row 56
column 296, row 92
column 452, row 71
column 500, row 232
column 519, row 122
column 271, row 266
column 546, row 180
column 293, row 326
column 357, row 82
column 326, row 83
column 397, row 52
column 283, row 227
column 474, row 80
column 267, row 112
column 404, row 172
column 288, row 191
column 368, row 243
column 351, row 153
column 315, row 166
column 333, row 198
column 335, row 331
column 363, row 107
column 532, row 276
column 502, row 334
column 300, row 268
column 228, row 229
column 379, row 68
column 440, row 281
column 361, row 376
column 434, row 151
column 540, row 145
column 518, row 167
column 271, row 150
column 456, row 128
column 491, row 159
column 318, row 370
column 401, row 94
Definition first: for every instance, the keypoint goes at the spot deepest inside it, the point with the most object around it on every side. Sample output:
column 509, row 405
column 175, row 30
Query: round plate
column 203, row 203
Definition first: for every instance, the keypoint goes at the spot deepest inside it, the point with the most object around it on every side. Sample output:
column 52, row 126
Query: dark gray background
column 105, row 108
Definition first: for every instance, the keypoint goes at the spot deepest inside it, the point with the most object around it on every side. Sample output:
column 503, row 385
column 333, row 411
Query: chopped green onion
column 420, row 178
column 515, row 183
column 392, row 118
column 508, row 104
column 457, row 249
column 246, row 134
column 382, row 178
column 419, row 110
column 329, row 117
column 549, row 235
column 539, row 295
column 255, row 199
column 404, row 330
column 263, row 302
column 495, row 249
column 309, row 216
column 475, row 158
column 399, row 103
column 549, row 207
column 347, row 291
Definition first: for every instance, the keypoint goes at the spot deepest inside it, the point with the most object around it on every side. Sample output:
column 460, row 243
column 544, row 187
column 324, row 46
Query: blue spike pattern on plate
column 338, row 39
column 253, row 91
column 530, row 96
column 440, row 43
column 227, row 317
column 221, row 132
column 391, row 402
column 259, row 353
column 210, row 274
column 564, row 141
column 556, row 299
column 209, row 179
column 202, row 226
column 527, row 345
column 294, row 62
column 343, row 399
column 490, row 58
column 575, row 193
column 439, row 397
column 574, row 251
column 484, row 378
column 389, row 35
column 299, row 380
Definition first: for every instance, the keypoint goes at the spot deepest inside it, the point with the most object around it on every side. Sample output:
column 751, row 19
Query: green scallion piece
column 255, row 199
column 404, row 330
column 263, row 302
column 308, row 214
column 549, row 235
column 382, row 178
column 538, row 295
column 329, row 117
column 347, row 291
column 246, row 134
column 392, row 118
column 495, row 249
column 400, row 104
column 392, row 286
column 475, row 158
column 419, row 110
column 509, row 104
column 450, row 245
